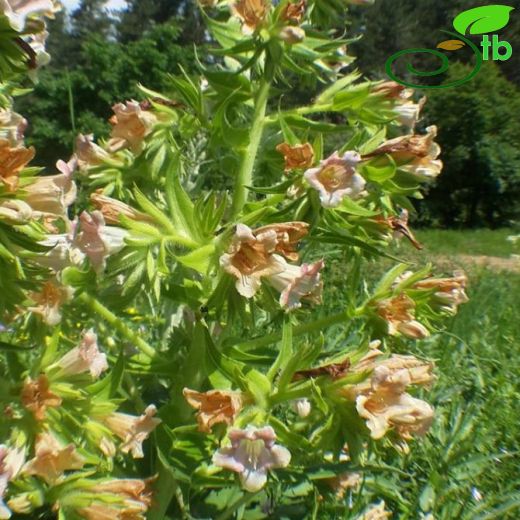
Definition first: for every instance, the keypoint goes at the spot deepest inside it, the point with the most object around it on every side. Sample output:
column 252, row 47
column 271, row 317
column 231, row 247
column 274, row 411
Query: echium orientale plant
column 169, row 346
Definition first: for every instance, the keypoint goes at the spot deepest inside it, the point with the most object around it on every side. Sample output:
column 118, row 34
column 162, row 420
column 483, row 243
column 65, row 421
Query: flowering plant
column 170, row 348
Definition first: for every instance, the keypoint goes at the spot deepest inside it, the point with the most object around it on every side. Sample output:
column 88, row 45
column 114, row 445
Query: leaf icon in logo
column 481, row 20
column 450, row 45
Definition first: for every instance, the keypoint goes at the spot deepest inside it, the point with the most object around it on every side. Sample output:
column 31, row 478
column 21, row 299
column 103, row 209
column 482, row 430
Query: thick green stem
column 118, row 325
column 312, row 326
column 247, row 163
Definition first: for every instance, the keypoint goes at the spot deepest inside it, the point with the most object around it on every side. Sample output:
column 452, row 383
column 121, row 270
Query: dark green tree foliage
column 479, row 132
column 105, row 72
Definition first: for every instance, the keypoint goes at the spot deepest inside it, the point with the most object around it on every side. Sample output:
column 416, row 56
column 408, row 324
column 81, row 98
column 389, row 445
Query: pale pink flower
column 53, row 194
column 11, row 462
column 252, row 454
column 84, row 358
column 336, row 178
column 13, row 211
column 62, row 252
column 52, row 459
column 297, row 283
column 18, row 11
column 251, row 257
column 12, row 127
column 131, row 124
column 133, row 430
column 88, row 152
column 98, row 241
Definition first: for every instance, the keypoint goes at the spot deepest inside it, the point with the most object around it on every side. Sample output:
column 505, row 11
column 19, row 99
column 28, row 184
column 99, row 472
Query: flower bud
column 292, row 35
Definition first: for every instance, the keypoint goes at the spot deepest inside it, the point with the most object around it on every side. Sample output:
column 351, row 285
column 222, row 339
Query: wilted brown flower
column 215, row 406
column 392, row 90
column 398, row 313
column 131, row 124
column 252, row 13
column 12, row 161
column 11, row 462
column 133, row 430
column 52, row 459
column 449, row 292
column 297, row 156
column 399, row 225
column 49, row 301
column 294, row 12
column 37, row 397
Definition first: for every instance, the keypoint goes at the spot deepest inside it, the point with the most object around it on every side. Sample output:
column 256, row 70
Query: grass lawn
column 466, row 468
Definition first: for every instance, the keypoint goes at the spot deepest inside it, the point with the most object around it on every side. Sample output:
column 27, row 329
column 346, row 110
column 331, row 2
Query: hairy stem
column 245, row 173
column 118, row 325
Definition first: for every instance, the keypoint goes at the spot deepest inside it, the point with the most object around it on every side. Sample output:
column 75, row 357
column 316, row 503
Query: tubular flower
column 416, row 154
column 408, row 113
column 251, row 13
column 343, row 482
column 297, row 283
column 387, row 405
column 13, row 211
column 52, row 459
column 132, row 430
column 62, row 252
column 399, row 226
column 12, row 161
column 251, row 257
column 37, row 397
column 215, row 406
column 376, row 513
column 88, row 152
column 12, row 127
column 84, row 358
column 449, row 292
column 288, row 236
column 49, row 301
column 113, row 208
column 336, row 178
column 18, row 11
column 297, row 156
column 11, row 462
column 131, row 124
column 52, row 195
column 98, row 241
column 397, row 312
column 128, row 499
column 252, row 453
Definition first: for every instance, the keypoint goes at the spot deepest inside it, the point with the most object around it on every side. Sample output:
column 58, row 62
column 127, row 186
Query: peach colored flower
column 12, row 127
column 12, row 161
column 398, row 313
column 336, row 178
column 297, row 156
column 252, row 13
column 49, row 301
column 132, row 430
column 131, row 124
column 292, row 35
column 251, row 257
column 89, row 153
column 98, row 241
column 288, row 237
column 449, row 292
column 52, row 459
column 297, row 283
column 84, row 358
column 37, row 397
column 214, row 406
column 252, row 454
column 388, row 406
column 113, row 208
column 127, row 499
column 344, row 482
column 53, row 194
